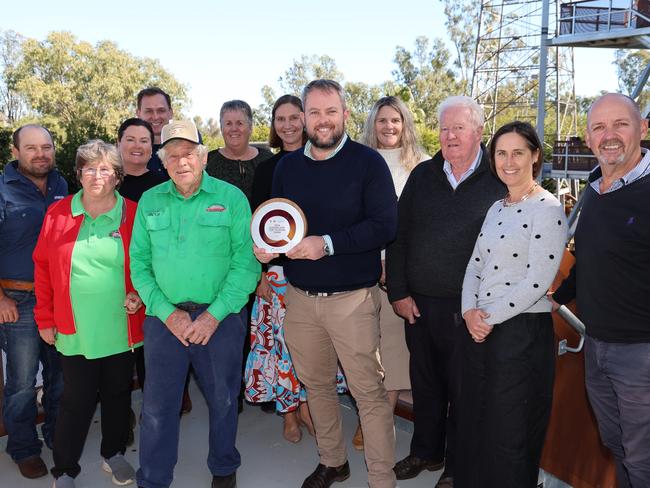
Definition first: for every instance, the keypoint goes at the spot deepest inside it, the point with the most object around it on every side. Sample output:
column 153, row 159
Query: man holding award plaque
column 346, row 193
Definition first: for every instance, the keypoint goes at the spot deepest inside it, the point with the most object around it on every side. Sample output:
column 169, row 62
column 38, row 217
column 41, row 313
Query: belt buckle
column 316, row 294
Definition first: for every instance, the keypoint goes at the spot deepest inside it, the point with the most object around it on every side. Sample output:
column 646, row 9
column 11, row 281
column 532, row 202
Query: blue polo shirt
column 22, row 209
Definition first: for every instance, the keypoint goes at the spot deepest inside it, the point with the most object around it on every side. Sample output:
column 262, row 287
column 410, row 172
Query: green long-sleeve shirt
column 194, row 249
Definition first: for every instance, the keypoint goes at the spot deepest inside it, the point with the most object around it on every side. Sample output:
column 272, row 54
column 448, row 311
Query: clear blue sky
column 225, row 50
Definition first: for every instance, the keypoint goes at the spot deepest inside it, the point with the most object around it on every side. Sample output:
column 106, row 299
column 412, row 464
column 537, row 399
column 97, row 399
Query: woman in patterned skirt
column 269, row 374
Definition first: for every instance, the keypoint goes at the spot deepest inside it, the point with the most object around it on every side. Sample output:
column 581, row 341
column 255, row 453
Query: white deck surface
column 268, row 460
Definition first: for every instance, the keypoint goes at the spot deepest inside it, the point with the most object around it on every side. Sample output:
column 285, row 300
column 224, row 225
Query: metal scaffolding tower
column 516, row 74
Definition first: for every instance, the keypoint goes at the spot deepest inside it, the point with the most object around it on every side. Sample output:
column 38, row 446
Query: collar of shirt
column 207, row 185
column 307, row 150
column 641, row 169
column 11, row 173
column 450, row 174
column 77, row 207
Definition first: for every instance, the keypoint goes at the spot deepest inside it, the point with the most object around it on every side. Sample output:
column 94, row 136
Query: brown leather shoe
column 186, row 405
column 324, row 476
column 411, row 466
column 32, row 467
column 357, row 440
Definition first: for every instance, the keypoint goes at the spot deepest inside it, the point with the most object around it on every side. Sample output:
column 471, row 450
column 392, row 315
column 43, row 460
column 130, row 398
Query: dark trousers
column 433, row 343
column 218, row 371
column 618, row 384
column 83, row 378
column 505, row 403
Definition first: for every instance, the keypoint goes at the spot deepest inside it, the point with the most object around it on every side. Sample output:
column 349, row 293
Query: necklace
column 506, row 202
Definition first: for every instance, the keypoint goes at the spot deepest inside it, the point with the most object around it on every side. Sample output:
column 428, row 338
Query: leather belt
column 17, row 285
column 191, row 306
column 319, row 293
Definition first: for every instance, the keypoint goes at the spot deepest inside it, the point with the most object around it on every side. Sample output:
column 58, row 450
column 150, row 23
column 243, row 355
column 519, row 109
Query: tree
column 262, row 114
column 461, row 27
column 629, row 66
column 12, row 104
column 360, row 98
column 306, row 69
column 85, row 91
column 426, row 73
column 5, row 146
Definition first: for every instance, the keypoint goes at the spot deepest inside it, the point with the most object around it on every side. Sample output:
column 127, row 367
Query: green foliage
column 306, row 69
column 80, row 91
column 629, row 66
column 212, row 141
column 360, row 98
column 426, row 72
column 429, row 139
column 461, row 26
column 5, row 146
column 12, row 103
column 260, row 133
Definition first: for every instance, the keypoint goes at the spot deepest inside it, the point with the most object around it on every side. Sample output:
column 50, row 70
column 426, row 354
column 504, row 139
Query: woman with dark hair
column 508, row 352
column 269, row 374
column 87, row 307
column 237, row 161
column 135, row 144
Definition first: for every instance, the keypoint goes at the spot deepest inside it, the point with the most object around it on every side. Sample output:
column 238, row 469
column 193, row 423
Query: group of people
column 420, row 273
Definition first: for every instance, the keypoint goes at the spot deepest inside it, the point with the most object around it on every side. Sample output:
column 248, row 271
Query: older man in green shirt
column 193, row 266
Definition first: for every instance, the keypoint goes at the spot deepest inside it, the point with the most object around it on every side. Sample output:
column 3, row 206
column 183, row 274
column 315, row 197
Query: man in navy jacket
column 347, row 195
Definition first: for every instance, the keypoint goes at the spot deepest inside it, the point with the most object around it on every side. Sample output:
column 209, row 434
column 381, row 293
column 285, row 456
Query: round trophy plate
column 278, row 224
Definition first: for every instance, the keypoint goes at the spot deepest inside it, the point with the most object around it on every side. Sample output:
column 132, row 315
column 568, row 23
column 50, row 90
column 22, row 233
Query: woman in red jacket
column 86, row 306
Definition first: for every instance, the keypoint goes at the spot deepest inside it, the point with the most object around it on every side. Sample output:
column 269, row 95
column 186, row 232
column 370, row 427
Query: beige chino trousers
column 318, row 330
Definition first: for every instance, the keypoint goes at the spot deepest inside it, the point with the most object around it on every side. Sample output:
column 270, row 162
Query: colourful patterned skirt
column 270, row 375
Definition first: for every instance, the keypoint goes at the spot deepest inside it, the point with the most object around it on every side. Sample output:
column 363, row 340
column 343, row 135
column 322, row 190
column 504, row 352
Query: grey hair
column 477, row 115
column 201, row 150
column 324, row 85
column 236, row 106
column 98, row 150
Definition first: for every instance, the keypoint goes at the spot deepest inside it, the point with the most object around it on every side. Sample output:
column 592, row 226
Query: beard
column 35, row 171
column 609, row 160
column 332, row 141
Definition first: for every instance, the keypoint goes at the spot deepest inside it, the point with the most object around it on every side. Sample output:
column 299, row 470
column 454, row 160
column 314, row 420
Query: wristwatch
column 326, row 248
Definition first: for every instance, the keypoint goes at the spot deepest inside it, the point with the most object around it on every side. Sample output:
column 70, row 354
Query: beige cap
column 179, row 129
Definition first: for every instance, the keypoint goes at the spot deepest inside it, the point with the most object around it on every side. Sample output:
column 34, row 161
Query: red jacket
column 53, row 263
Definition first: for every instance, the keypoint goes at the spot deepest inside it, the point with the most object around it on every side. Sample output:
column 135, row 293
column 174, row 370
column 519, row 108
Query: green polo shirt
column 97, row 286
column 196, row 249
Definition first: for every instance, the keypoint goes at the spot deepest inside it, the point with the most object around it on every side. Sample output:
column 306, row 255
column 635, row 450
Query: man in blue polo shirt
column 27, row 187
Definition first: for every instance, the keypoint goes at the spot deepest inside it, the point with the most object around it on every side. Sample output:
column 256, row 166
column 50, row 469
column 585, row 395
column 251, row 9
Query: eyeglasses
column 92, row 172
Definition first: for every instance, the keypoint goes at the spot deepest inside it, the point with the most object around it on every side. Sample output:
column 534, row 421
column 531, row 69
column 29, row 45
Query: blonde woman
column 391, row 131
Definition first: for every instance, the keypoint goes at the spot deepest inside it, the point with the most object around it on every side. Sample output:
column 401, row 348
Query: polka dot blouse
column 515, row 258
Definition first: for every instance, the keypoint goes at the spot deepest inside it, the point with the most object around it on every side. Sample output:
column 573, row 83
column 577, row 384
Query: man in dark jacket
column 440, row 213
column 28, row 187
column 347, row 195
column 611, row 285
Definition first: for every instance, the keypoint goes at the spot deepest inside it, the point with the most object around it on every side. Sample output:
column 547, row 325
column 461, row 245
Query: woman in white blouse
column 508, row 354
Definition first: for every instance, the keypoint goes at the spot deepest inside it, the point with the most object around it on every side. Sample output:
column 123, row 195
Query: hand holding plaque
column 278, row 225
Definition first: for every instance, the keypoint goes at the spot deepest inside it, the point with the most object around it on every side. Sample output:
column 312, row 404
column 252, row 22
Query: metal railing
column 590, row 16
column 577, row 325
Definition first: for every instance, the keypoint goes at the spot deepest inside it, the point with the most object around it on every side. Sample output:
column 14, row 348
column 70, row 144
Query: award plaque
column 278, row 224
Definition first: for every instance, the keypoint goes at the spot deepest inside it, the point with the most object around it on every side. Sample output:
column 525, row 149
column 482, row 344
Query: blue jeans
column 618, row 384
column 218, row 369
column 24, row 349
